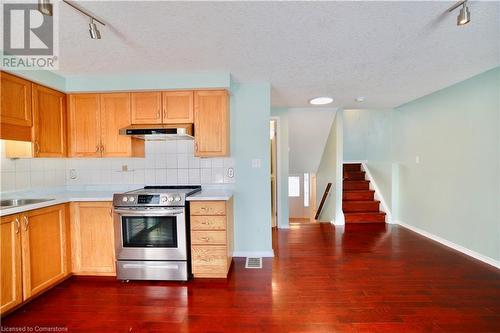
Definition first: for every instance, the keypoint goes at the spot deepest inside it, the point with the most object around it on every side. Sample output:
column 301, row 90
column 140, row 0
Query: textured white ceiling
column 390, row 52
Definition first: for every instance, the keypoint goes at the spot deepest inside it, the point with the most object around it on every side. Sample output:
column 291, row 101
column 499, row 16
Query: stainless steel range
column 152, row 233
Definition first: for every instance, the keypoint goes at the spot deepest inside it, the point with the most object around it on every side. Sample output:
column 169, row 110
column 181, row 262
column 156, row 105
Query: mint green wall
column 46, row 78
column 368, row 137
column 250, row 113
column 283, row 149
column 454, row 191
column 330, row 171
column 147, row 81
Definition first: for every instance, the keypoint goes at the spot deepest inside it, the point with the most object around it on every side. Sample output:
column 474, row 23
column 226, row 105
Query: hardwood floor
column 364, row 278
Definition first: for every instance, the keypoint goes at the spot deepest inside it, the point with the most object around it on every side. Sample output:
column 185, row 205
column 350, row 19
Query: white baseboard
column 254, row 254
column 378, row 194
column 460, row 248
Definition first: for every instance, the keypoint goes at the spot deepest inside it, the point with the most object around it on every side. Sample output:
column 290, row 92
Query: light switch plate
column 230, row 172
column 256, row 163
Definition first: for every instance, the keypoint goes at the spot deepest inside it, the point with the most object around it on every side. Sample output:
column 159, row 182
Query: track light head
column 94, row 32
column 45, row 7
column 464, row 16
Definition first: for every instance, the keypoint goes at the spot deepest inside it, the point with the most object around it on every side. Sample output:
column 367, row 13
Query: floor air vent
column 253, row 263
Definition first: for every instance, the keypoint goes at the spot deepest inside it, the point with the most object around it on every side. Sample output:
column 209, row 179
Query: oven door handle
column 137, row 212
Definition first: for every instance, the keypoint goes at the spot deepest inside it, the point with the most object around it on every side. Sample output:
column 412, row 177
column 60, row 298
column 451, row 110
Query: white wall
column 454, row 191
column 308, row 130
column 330, row 171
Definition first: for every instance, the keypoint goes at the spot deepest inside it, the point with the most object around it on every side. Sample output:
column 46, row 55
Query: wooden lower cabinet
column 211, row 238
column 92, row 238
column 34, row 253
column 43, row 248
column 10, row 260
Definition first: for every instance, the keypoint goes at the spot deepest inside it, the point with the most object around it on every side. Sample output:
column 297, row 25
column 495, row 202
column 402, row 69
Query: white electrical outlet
column 72, row 174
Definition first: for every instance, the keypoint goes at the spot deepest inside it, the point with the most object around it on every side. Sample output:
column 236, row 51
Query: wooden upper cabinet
column 10, row 260
column 15, row 108
column 84, row 125
column 43, row 249
column 49, row 117
column 177, row 107
column 146, row 107
column 211, row 123
column 115, row 114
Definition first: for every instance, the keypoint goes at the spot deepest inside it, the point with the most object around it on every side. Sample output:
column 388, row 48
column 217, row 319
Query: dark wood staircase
column 358, row 201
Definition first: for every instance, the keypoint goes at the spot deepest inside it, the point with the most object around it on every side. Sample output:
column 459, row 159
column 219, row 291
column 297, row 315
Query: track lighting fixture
column 464, row 15
column 94, row 32
column 45, row 7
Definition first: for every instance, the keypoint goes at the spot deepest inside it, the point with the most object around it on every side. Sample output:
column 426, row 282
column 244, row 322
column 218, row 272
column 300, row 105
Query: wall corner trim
column 459, row 248
column 254, row 254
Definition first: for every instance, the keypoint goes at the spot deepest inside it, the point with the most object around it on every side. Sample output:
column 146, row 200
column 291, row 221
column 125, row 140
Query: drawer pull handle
column 205, row 238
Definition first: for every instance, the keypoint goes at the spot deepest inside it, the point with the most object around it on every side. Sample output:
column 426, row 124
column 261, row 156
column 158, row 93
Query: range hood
column 160, row 132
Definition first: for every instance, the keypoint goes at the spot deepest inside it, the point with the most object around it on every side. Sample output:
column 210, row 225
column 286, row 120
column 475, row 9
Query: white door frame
column 278, row 172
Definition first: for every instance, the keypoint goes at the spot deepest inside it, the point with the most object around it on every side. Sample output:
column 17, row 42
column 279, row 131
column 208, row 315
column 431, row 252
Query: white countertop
column 211, row 194
column 64, row 195
column 56, row 198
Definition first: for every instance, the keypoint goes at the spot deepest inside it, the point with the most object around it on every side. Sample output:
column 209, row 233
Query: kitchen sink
column 20, row 202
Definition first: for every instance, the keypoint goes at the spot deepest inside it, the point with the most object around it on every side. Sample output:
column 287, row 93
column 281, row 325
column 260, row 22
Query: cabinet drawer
column 209, row 260
column 208, row 208
column 208, row 222
column 208, row 237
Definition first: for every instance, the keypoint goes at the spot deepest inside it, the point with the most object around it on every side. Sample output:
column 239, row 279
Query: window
column 294, row 186
column 306, row 190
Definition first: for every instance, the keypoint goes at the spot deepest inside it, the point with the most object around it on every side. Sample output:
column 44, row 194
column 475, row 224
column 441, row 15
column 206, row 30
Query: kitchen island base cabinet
column 92, row 238
column 211, row 238
column 34, row 253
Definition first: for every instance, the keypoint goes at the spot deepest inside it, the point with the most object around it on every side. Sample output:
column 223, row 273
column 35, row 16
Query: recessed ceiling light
column 360, row 99
column 321, row 100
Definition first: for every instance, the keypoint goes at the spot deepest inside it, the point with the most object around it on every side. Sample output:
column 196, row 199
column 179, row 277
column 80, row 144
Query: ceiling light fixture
column 321, row 100
column 360, row 99
column 94, row 32
column 45, row 7
column 464, row 15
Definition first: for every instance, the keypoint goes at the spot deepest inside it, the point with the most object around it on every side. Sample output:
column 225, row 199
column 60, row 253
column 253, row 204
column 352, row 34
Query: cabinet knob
column 97, row 148
column 102, row 148
column 37, row 147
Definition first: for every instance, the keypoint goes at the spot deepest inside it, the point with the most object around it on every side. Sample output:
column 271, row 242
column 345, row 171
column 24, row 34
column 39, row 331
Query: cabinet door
column 92, row 238
column 177, row 107
column 146, row 107
column 15, row 108
column 84, row 125
column 115, row 114
column 211, row 123
column 44, row 249
column 10, row 260
column 49, row 117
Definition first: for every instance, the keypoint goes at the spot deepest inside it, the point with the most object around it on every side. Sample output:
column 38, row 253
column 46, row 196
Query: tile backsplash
column 166, row 162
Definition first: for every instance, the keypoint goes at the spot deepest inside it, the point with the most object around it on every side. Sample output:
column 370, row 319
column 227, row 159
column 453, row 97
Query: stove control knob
column 163, row 199
column 124, row 199
column 131, row 199
column 177, row 198
column 170, row 199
